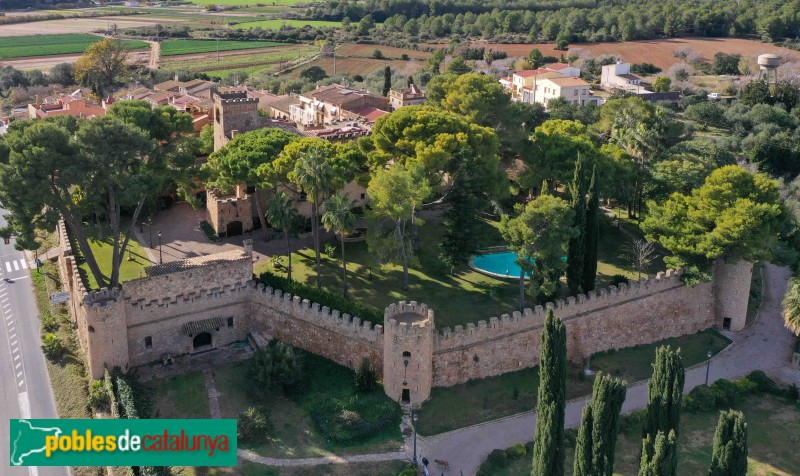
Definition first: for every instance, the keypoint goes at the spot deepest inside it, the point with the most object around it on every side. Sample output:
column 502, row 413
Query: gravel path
column 766, row 345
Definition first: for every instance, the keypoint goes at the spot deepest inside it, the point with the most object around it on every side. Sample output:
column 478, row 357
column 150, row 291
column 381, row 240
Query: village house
column 618, row 76
column 73, row 104
column 410, row 96
column 334, row 104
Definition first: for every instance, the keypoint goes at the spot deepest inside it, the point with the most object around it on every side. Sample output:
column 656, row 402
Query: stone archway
column 202, row 341
column 233, row 228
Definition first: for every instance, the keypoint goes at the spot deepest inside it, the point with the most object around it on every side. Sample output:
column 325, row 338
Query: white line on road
column 16, row 266
column 24, row 405
column 24, row 264
column 18, row 365
column 8, row 266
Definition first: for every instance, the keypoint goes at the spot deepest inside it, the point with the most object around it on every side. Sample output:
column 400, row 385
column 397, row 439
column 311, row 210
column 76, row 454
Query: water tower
column 768, row 68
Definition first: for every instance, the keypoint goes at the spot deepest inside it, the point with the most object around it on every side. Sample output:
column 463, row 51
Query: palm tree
column 314, row 175
column 791, row 305
column 340, row 218
column 282, row 215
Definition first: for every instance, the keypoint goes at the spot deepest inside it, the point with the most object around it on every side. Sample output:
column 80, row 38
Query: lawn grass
column 773, row 424
column 182, row 396
column 102, row 248
column 293, row 433
column 41, row 45
column 277, row 23
column 183, row 47
column 515, row 392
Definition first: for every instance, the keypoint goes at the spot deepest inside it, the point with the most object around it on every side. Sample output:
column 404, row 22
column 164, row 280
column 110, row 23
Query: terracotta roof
column 196, row 327
column 196, row 262
column 283, row 103
column 557, row 66
column 566, row 82
column 168, row 85
column 371, row 114
column 336, row 94
column 527, row 73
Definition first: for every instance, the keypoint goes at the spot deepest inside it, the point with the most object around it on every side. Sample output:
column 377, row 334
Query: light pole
column 160, row 261
column 414, row 425
column 150, row 229
column 708, row 366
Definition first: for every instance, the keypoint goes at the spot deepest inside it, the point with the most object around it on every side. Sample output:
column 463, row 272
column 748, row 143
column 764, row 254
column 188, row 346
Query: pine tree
column 592, row 235
column 729, row 456
column 597, row 435
column 548, row 451
column 665, row 393
column 659, row 455
column 575, row 254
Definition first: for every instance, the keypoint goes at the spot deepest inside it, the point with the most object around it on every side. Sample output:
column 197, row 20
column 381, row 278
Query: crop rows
column 184, row 47
column 41, row 45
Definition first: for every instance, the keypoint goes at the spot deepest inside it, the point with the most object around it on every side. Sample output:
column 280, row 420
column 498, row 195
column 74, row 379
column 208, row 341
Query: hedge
column 126, row 400
column 324, row 298
column 108, row 384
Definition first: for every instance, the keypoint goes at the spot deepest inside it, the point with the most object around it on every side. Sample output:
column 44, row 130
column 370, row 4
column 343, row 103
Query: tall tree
column 283, row 216
column 592, row 235
column 665, row 394
column 387, row 80
column 597, row 437
column 556, row 144
column 577, row 245
column 539, row 236
column 340, row 218
column 729, row 456
column 101, row 66
column 240, row 160
column 395, row 193
column 536, row 58
column 548, row 449
column 659, row 455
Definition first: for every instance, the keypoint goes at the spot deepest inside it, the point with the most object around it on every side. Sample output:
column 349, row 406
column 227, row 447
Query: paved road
column 25, row 390
column 766, row 345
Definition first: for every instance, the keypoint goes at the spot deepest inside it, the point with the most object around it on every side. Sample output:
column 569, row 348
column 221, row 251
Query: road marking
column 19, row 374
column 24, row 405
column 24, row 264
column 16, row 357
column 33, row 470
column 8, row 266
column 18, row 365
column 16, row 266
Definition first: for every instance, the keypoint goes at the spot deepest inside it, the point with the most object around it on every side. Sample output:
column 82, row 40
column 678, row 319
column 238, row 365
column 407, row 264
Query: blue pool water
column 503, row 263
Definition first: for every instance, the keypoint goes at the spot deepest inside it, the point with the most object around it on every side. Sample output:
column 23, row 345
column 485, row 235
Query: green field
column 185, row 47
column 41, row 45
column 278, row 23
column 132, row 266
column 235, row 61
column 248, row 2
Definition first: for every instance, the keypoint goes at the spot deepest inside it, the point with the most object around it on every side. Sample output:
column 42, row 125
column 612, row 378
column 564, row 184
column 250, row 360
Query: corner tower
column 106, row 331
column 234, row 112
column 408, row 352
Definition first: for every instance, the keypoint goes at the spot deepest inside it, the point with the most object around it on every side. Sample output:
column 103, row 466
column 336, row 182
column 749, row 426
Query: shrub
column 366, row 378
column 644, row 69
column 517, row 451
column 377, row 54
column 745, row 386
column 49, row 323
column 793, row 392
column 254, row 424
column 725, row 393
column 409, row 471
column 618, row 279
column 699, row 399
column 52, row 346
column 208, row 230
column 275, row 367
column 98, row 398
column 404, row 57
column 633, row 421
column 764, row 383
column 344, row 421
column 498, row 458
column 324, row 298
column 330, row 250
column 126, row 400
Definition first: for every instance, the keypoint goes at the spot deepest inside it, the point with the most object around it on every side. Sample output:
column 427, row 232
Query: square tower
column 235, row 111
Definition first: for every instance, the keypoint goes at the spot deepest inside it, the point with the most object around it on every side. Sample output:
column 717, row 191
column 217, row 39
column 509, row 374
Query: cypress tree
column 597, row 435
column 659, row 455
column 729, row 456
column 665, row 395
column 577, row 245
column 545, row 188
column 548, row 450
column 592, row 235
column 387, row 80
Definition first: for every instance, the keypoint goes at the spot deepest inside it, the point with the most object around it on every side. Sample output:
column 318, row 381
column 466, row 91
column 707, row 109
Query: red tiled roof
column 557, row 66
column 371, row 114
column 565, row 82
column 527, row 73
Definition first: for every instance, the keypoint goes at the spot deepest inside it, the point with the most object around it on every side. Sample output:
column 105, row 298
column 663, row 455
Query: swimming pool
column 503, row 264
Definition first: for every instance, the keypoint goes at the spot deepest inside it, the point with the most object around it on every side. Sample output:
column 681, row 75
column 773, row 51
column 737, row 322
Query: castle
column 199, row 304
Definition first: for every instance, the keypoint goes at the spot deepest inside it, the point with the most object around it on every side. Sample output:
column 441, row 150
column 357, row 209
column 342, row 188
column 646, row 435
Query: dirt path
column 155, row 54
column 766, row 345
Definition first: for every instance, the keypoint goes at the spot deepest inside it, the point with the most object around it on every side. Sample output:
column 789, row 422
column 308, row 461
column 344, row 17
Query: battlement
column 571, row 308
column 408, row 318
column 219, row 197
column 198, row 296
column 316, row 314
column 97, row 300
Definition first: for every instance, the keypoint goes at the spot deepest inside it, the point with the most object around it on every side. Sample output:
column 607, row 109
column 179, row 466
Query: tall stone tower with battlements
column 235, row 111
column 408, row 352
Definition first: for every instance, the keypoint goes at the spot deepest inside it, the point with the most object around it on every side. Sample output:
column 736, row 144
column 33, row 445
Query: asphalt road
column 25, row 390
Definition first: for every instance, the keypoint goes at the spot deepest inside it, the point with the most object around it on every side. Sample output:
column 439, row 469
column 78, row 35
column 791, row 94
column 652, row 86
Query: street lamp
column 708, row 366
column 160, row 261
column 414, row 425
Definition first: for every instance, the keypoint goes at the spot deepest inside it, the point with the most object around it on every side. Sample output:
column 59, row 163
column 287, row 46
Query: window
column 406, row 354
column 363, row 196
column 148, row 342
column 230, row 322
column 575, row 92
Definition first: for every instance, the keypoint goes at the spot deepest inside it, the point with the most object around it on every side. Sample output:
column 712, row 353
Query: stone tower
column 732, row 292
column 408, row 352
column 106, row 331
column 234, row 112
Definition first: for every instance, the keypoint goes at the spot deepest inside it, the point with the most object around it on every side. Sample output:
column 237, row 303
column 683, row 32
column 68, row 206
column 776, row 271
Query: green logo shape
column 157, row 442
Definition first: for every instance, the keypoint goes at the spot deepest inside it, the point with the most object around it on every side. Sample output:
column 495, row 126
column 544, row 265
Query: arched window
column 406, row 354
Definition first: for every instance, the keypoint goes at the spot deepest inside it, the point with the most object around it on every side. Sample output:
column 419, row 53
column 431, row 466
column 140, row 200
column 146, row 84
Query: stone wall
column 619, row 316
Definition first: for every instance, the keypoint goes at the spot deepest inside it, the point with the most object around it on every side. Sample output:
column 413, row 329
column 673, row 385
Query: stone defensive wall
column 626, row 315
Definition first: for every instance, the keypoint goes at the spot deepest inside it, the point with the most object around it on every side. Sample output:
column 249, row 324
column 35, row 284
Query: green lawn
column 183, row 396
column 183, row 47
column 278, row 23
column 293, row 433
column 482, row 400
column 40, row 45
column 773, row 425
column 132, row 266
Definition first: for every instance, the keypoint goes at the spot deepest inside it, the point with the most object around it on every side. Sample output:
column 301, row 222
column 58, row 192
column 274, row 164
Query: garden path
column 766, row 345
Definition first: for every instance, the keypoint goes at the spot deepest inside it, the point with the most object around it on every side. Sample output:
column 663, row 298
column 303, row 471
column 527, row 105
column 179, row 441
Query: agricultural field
column 248, row 2
column 658, row 52
column 362, row 66
column 390, row 52
column 236, row 60
column 41, row 45
column 81, row 25
column 278, row 23
column 183, row 47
